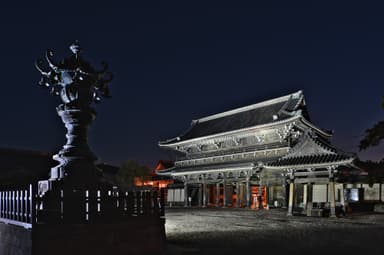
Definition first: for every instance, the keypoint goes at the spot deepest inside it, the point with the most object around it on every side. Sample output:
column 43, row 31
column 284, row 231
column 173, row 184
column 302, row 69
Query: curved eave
column 308, row 123
column 267, row 125
column 165, row 172
column 316, row 165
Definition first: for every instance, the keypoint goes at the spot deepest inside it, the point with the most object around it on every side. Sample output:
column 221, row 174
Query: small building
column 154, row 180
column 268, row 154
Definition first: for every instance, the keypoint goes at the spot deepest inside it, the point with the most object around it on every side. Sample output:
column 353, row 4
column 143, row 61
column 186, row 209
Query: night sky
column 174, row 63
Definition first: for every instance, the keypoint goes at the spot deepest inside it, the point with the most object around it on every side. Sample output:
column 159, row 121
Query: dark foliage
column 373, row 136
column 131, row 169
column 375, row 170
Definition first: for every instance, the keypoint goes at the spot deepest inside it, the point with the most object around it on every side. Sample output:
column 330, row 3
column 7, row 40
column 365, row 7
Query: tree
column 131, row 169
column 373, row 136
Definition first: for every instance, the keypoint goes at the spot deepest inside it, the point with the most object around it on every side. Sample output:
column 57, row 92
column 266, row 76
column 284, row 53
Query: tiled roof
column 258, row 114
column 310, row 159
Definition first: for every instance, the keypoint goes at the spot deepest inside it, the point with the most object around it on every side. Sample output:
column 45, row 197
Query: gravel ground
column 232, row 231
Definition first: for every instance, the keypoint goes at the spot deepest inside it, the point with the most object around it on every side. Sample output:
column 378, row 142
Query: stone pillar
column 332, row 197
column 291, row 197
column 217, row 194
column 185, row 194
column 200, row 193
column 247, row 193
column 237, row 194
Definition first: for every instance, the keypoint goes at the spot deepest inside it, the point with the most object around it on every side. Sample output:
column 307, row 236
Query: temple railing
column 24, row 207
column 17, row 206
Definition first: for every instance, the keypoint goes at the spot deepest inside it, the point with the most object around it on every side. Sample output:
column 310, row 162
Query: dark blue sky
column 174, row 63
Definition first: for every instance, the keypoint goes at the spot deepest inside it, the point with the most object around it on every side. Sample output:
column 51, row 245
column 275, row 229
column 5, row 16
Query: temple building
column 268, row 154
column 153, row 179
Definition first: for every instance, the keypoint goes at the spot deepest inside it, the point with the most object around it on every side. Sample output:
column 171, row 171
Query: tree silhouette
column 131, row 169
column 373, row 136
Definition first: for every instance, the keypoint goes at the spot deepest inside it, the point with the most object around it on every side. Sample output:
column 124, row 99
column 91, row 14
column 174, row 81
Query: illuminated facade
column 263, row 155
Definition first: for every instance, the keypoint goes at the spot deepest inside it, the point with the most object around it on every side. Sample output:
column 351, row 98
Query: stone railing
column 17, row 206
column 24, row 207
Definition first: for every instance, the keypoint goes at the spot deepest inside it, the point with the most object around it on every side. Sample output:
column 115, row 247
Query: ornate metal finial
column 74, row 79
column 79, row 85
column 75, row 48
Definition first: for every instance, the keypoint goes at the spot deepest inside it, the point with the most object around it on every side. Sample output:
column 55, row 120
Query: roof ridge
column 251, row 107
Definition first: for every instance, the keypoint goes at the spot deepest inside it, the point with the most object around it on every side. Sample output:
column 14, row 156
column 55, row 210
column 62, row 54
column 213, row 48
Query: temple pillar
column 285, row 195
column 241, row 194
column 291, row 197
column 309, row 199
column 332, row 192
column 342, row 199
column 224, row 193
column 208, row 190
column 237, row 194
column 217, row 194
column 305, row 197
column 199, row 198
column 260, row 195
column 185, row 194
column 247, row 193
column 332, row 198
column 204, row 194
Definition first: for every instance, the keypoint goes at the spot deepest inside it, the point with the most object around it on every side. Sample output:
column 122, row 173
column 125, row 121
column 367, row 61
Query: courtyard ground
column 234, row 231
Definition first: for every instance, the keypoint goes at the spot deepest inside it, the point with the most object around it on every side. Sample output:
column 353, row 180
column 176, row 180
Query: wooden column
column 332, row 197
column 309, row 199
column 204, row 194
column 260, row 195
column 208, row 190
column 247, row 193
column 241, row 194
column 332, row 192
column 217, row 194
column 237, row 194
column 224, row 193
column 267, row 189
column 305, row 196
column 342, row 199
column 185, row 194
column 291, row 197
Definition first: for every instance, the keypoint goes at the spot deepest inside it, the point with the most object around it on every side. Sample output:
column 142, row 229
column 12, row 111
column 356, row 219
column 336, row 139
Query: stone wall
column 139, row 236
column 15, row 240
